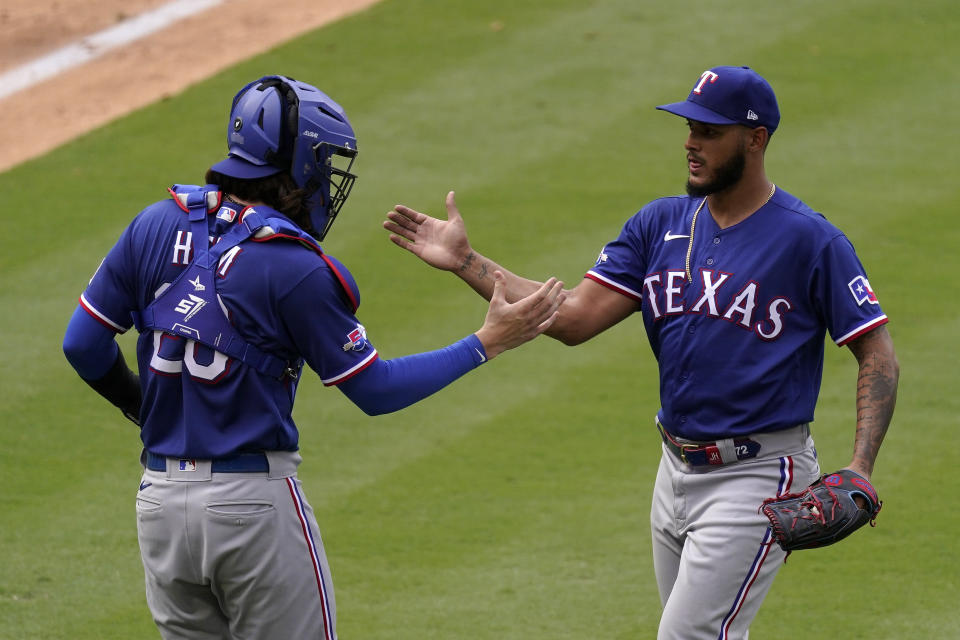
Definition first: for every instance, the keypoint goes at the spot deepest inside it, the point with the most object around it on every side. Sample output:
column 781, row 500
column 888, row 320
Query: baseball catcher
column 233, row 298
column 827, row 511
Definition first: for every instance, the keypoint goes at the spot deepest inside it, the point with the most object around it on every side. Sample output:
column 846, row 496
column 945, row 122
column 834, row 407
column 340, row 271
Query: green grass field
column 513, row 505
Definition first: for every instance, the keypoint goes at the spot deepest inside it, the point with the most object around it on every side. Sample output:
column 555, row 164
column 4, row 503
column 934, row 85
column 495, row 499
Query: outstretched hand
column 510, row 325
column 443, row 244
column 440, row 243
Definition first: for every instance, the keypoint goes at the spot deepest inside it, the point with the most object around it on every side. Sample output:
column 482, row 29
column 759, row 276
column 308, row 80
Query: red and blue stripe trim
column 783, row 486
column 328, row 630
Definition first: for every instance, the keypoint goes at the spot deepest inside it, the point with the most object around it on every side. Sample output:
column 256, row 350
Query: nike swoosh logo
column 483, row 358
column 144, row 485
column 667, row 237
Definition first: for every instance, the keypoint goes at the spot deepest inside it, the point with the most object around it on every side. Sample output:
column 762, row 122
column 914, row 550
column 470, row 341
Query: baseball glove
column 823, row 513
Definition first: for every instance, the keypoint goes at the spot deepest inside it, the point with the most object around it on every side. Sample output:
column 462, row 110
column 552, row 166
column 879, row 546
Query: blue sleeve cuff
column 477, row 352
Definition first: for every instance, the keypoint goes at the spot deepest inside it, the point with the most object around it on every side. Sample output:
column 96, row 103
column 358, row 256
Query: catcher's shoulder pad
column 277, row 228
column 346, row 280
column 187, row 195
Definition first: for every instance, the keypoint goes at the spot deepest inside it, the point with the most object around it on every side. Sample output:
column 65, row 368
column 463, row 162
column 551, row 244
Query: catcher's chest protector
column 190, row 306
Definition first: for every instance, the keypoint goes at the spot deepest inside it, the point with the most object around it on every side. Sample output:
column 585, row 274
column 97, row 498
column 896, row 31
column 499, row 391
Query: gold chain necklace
column 693, row 226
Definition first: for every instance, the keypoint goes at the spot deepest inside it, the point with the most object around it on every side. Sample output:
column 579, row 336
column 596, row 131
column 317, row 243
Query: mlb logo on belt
column 713, row 455
column 188, row 465
column 862, row 292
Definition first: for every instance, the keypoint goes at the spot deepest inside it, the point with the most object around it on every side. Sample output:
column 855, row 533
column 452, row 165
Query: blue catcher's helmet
column 280, row 124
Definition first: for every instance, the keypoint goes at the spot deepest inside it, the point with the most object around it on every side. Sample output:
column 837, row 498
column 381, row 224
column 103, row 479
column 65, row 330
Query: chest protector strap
column 190, row 306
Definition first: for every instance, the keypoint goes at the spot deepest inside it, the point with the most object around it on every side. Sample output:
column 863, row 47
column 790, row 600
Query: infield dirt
column 48, row 114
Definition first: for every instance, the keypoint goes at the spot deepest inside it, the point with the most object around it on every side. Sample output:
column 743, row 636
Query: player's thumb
column 499, row 284
column 452, row 212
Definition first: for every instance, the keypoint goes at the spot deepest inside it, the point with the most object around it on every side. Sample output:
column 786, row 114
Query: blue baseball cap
column 730, row 95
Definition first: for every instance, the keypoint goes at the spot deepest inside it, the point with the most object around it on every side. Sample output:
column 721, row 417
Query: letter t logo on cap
column 706, row 75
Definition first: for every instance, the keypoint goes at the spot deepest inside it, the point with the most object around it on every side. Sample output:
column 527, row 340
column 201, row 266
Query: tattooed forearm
column 468, row 261
column 876, row 399
column 876, row 394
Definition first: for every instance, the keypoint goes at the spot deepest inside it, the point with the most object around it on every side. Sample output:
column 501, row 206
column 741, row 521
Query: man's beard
column 727, row 175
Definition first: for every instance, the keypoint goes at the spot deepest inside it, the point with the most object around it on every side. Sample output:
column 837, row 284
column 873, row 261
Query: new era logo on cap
column 730, row 95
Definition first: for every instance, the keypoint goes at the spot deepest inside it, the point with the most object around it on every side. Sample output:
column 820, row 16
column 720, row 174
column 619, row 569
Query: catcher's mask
column 280, row 124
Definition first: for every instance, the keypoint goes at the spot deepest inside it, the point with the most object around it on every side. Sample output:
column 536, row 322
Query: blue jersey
column 285, row 300
column 740, row 342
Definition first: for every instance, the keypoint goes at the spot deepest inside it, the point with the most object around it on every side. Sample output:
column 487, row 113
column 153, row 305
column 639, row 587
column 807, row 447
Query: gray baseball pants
column 712, row 550
column 233, row 555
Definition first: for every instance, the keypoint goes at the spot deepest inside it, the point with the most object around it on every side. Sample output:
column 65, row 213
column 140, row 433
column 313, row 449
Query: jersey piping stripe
column 610, row 284
column 102, row 319
column 328, row 632
column 352, row 371
column 354, row 302
column 786, row 481
column 862, row 329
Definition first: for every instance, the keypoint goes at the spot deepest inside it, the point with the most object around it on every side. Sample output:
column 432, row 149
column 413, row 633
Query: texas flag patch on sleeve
column 862, row 292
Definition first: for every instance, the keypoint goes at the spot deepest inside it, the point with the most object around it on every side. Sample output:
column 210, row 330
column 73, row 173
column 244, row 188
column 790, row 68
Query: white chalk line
column 94, row 46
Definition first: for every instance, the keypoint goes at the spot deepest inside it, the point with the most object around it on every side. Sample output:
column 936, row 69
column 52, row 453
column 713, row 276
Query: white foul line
column 94, row 46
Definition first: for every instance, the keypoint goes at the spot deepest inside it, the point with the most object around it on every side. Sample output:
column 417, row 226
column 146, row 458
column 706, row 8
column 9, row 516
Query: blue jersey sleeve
column 110, row 297
column 318, row 314
column 621, row 264
column 849, row 306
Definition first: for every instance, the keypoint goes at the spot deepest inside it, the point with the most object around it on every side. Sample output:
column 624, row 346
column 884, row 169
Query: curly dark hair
column 278, row 191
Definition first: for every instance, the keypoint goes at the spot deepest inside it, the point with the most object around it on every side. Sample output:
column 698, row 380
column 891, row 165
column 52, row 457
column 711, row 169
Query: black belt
column 707, row 453
column 237, row 463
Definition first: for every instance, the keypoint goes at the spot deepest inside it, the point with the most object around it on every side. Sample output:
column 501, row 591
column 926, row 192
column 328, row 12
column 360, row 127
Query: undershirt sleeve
column 390, row 385
column 89, row 345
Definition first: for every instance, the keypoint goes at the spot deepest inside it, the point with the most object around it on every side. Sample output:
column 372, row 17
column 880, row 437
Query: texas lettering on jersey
column 762, row 293
column 664, row 296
